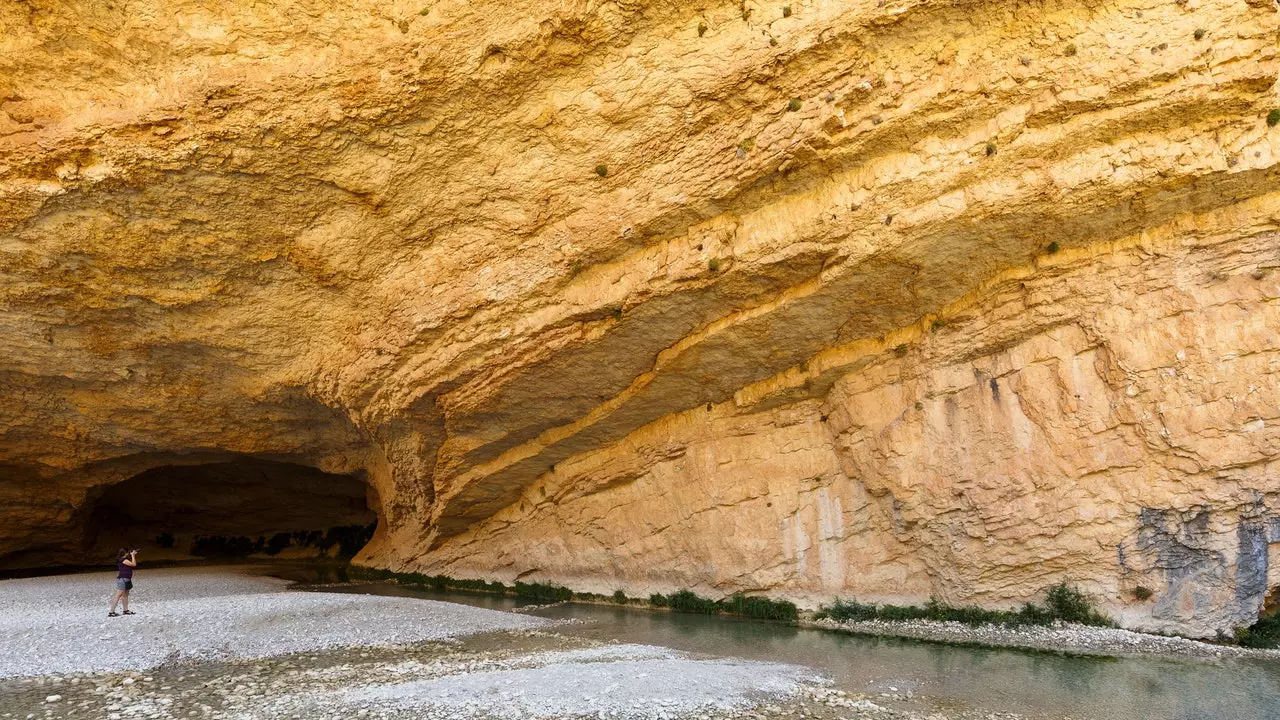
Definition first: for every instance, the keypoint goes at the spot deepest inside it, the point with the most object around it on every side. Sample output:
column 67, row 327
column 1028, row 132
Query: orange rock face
column 888, row 301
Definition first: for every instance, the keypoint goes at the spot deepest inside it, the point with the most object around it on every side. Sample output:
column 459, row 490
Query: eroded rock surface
column 890, row 299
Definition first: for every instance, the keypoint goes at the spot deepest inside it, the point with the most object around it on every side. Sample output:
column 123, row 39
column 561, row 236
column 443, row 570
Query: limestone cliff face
column 877, row 299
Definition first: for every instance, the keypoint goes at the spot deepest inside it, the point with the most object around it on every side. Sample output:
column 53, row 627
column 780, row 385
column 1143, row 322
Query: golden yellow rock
column 976, row 315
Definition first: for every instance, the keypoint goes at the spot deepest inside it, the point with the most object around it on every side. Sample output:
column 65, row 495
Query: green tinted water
column 945, row 677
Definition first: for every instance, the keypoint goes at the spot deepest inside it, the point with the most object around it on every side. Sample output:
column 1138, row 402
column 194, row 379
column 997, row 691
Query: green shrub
column 702, row 29
column 542, row 591
column 900, row 350
column 786, row 11
column 991, row 149
column 1053, row 247
column 713, row 264
column 760, row 607
column 602, row 170
column 435, row 582
column 1200, row 33
column 1142, row 593
column 794, row 104
column 278, row 542
column 773, row 42
column 687, row 601
column 1069, row 604
column 619, row 597
column 847, row 610
column 1263, row 634
column 1070, row 51
column 937, row 325
column 1273, row 118
column 750, row 606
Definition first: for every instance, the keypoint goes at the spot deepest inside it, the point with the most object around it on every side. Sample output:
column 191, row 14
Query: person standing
column 126, row 561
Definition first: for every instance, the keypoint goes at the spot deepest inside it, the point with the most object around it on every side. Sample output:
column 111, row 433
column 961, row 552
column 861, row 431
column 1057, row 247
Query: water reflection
column 1038, row 685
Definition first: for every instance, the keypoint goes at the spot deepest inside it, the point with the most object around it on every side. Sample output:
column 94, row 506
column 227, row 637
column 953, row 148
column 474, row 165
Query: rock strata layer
column 888, row 299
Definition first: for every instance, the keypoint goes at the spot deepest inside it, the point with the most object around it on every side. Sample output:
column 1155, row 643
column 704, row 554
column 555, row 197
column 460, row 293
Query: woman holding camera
column 126, row 561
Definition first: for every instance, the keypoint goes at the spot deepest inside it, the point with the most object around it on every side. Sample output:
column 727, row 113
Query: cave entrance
column 235, row 508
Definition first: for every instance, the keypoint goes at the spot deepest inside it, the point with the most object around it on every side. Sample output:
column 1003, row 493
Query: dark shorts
column 123, row 584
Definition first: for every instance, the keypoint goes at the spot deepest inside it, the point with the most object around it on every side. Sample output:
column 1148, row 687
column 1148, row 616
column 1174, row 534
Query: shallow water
column 946, row 677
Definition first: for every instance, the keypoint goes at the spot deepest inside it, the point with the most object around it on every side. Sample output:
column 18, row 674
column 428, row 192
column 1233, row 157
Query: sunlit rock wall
column 884, row 299
column 1107, row 417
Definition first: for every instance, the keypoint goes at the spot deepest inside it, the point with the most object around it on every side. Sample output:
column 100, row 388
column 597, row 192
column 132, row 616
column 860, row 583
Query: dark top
column 126, row 572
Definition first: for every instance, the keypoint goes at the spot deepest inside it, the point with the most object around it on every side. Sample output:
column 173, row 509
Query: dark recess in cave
column 224, row 504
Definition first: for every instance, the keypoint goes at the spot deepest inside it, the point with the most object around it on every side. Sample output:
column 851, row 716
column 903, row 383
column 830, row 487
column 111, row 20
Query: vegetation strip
column 682, row 601
column 1063, row 603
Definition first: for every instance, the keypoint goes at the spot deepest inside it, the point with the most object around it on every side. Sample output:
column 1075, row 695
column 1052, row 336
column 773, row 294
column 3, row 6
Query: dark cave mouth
column 236, row 508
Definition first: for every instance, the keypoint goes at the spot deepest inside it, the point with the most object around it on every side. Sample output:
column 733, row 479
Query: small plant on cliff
column 1263, row 634
column 1142, row 593
column 793, row 104
column 602, row 170
column 1273, row 118
column 1200, row 33
column 937, row 325
column 786, row 11
column 702, row 29
column 991, row 149
column 1053, row 247
column 713, row 264
column 1069, row 604
column 900, row 350
column 1070, row 50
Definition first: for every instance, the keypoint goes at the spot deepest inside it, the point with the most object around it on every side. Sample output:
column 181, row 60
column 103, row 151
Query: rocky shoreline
column 1064, row 638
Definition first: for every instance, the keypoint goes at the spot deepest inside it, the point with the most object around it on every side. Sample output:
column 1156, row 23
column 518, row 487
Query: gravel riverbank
column 526, row 674
column 1067, row 638
column 59, row 624
column 220, row 644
